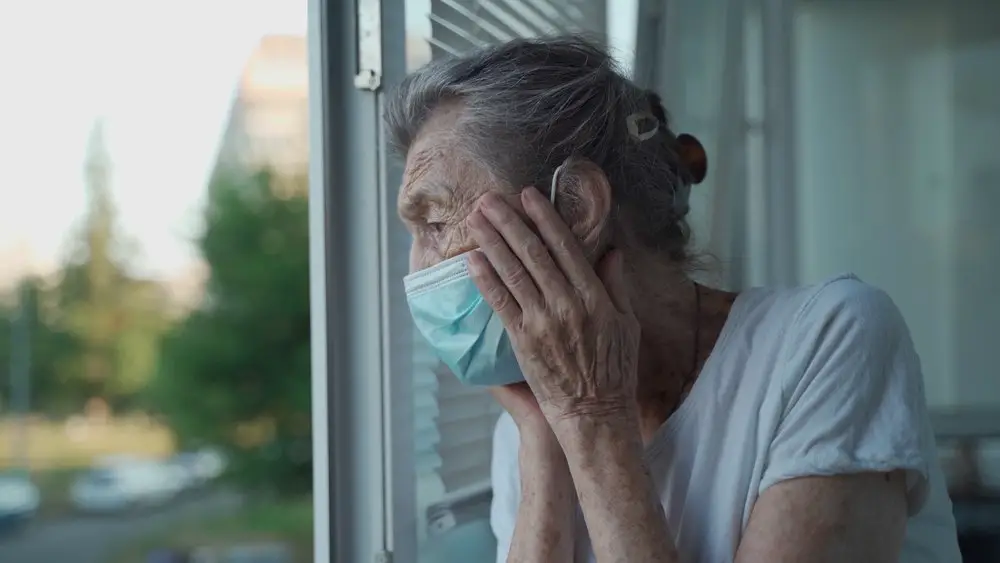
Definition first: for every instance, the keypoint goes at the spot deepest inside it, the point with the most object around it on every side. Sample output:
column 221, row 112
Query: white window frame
column 355, row 290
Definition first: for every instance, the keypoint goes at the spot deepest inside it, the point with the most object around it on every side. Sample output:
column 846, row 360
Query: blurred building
column 268, row 123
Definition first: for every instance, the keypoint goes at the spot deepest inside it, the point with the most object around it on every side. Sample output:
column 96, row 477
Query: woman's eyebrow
column 439, row 192
column 417, row 197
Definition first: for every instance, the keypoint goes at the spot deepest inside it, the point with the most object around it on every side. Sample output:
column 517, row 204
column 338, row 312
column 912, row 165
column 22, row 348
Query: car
column 200, row 467
column 19, row 500
column 185, row 465
column 126, row 484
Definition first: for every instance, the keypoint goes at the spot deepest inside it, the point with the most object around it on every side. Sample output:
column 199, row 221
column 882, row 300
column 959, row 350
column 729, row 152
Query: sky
column 161, row 74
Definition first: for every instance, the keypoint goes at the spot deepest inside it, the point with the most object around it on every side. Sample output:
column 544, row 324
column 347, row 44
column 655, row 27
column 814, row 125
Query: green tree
column 51, row 348
column 115, row 318
column 236, row 371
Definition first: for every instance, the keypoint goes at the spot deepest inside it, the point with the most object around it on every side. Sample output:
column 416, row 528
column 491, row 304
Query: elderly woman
column 649, row 418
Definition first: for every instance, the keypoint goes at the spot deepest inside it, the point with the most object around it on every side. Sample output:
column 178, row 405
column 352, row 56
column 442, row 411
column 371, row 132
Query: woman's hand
column 571, row 327
column 577, row 342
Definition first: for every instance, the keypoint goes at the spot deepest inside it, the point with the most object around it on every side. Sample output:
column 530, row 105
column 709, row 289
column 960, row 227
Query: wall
column 893, row 165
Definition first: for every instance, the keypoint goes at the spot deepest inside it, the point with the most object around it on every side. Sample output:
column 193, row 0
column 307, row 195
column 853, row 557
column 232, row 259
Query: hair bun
column 693, row 157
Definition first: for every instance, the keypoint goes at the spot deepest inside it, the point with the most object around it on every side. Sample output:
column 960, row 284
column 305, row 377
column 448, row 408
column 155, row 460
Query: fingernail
column 532, row 193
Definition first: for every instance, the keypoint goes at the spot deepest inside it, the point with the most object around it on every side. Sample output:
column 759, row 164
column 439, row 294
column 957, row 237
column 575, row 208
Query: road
column 95, row 539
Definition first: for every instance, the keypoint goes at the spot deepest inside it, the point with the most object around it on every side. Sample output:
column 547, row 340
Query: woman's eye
column 435, row 227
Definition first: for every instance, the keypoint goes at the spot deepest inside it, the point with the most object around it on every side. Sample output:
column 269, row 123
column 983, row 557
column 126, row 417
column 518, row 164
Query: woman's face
column 441, row 186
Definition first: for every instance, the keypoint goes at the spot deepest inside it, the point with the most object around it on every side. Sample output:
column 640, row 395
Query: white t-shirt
column 817, row 380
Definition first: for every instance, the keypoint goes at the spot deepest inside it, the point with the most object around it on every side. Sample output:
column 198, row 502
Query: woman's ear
column 583, row 199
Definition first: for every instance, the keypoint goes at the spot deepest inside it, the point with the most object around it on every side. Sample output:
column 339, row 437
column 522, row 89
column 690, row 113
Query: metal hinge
column 383, row 557
column 369, row 75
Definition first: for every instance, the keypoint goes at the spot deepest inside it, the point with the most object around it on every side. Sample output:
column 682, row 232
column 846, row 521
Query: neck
column 681, row 322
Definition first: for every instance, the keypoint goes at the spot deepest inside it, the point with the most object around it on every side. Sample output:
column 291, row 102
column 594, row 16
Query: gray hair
column 531, row 104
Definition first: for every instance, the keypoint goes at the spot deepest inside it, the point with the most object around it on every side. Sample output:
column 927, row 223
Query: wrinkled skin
column 572, row 329
column 438, row 193
column 440, row 190
column 438, row 202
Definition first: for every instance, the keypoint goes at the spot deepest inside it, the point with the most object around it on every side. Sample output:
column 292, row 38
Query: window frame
column 363, row 498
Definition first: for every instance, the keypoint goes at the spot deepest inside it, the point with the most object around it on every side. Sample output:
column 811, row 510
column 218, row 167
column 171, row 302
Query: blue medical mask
column 457, row 322
column 459, row 325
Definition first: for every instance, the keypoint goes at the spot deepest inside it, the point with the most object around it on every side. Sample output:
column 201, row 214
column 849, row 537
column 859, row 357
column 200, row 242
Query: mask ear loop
column 555, row 183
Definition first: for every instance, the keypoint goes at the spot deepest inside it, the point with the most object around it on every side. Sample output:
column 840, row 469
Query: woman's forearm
column 544, row 529
column 621, row 507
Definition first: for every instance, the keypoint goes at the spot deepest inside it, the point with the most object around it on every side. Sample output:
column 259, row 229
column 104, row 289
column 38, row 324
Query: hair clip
column 632, row 122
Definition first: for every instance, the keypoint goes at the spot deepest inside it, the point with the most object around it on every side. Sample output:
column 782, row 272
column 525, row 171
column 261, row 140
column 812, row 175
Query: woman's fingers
column 563, row 244
column 493, row 290
column 611, row 270
column 506, row 265
column 527, row 246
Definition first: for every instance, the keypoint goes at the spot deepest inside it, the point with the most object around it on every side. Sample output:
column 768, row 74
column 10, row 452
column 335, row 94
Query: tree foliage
column 50, row 350
column 236, row 371
column 94, row 329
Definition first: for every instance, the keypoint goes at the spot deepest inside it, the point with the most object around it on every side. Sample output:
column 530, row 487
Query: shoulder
column 846, row 342
column 838, row 310
column 848, row 299
column 822, row 321
column 839, row 339
column 849, row 387
column 845, row 312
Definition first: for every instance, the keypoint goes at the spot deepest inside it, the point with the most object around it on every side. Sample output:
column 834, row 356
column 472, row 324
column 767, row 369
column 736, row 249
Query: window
column 154, row 281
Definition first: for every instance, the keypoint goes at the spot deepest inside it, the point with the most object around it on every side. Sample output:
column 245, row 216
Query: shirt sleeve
column 852, row 393
column 505, row 477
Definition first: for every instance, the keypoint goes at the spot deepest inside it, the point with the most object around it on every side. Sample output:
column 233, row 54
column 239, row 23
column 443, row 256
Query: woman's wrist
column 539, row 447
column 545, row 474
column 598, row 434
column 544, row 529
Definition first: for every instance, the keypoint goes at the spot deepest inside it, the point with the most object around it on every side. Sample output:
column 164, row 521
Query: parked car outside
column 199, row 468
column 19, row 500
column 126, row 484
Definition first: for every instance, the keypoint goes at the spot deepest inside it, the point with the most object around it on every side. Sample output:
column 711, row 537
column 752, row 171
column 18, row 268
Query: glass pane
column 898, row 119
column 154, row 309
